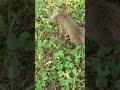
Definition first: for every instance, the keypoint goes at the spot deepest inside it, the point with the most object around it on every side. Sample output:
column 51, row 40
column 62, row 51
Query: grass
column 59, row 64
column 16, row 45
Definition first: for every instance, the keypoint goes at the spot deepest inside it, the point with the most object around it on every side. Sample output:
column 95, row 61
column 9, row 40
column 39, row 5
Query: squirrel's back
column 77, row 34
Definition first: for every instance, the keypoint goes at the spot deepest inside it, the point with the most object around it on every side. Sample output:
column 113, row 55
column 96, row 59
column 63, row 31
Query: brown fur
column 76, row 34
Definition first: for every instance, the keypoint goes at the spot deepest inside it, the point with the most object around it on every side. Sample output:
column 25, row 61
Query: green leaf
column 110, row 64
column 95, row 64
column 104, row 51
column 102, row 72
column 28, row 45
column 23, row 37
column 12, row 41
column 40, row 44
column 75, row 72
column 64, row 82
column 59, row 66
column 71, row 65
column 101, row 82
column 115, row 72
column 59, row 54
column 49, row 44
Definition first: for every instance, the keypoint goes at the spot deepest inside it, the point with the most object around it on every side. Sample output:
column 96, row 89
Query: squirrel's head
column 56, row 17
column 53, row 17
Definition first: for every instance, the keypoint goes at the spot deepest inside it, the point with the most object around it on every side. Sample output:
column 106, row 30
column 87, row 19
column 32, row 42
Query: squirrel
column 76, row 33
